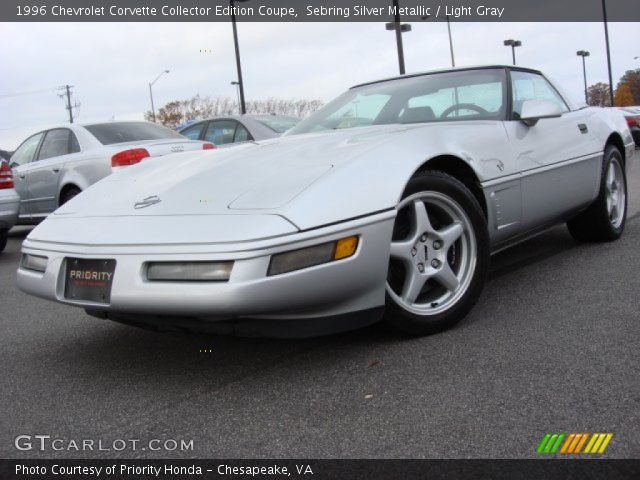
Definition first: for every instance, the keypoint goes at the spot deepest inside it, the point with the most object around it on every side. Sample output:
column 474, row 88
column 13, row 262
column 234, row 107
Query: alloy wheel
column 433, row 254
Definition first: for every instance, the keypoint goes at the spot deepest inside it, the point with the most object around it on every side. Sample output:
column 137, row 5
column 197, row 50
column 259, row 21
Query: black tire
column 594, row 224
column 4, row 235
column 69, row 194
column 397, row 315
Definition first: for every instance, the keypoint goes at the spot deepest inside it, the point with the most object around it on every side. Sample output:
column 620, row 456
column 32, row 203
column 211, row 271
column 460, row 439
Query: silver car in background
column 9, row 203
column 54, row 165
column 239, row 128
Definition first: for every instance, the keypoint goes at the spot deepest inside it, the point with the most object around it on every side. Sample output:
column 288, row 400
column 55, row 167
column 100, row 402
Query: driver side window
column 531, row 86
column 484, row 98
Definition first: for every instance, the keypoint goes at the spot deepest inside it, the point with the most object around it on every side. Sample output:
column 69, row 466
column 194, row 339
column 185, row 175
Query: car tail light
column 208, row 146
column 632, row 122
column 6, row 176
column 128, row 157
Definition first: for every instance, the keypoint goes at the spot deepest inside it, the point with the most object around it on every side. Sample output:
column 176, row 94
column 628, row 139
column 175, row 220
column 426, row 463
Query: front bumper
column 9, row 208
column 344, row 286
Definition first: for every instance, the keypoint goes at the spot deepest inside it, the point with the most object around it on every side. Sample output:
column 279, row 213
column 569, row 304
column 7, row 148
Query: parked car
column 331, row 226
column 9, row 203
column 5, row 155
column 239, row 128
column 632, row 115
column 54, row 165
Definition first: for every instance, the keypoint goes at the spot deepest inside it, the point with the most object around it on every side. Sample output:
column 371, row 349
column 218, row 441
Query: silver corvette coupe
column 385, row 204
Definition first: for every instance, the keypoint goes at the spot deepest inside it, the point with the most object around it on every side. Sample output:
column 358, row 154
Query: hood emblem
column 147, row 202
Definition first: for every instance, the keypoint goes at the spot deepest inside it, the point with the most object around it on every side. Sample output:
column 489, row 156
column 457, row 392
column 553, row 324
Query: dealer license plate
column 89, row 280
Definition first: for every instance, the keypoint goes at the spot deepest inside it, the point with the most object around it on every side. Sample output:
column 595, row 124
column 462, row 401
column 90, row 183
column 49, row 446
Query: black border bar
column 317, row 10
column 547, row 469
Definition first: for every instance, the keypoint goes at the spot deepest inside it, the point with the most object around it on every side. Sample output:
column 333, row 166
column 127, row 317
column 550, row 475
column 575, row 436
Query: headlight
column 189, row 271
column 311, row 256
column 36, row 263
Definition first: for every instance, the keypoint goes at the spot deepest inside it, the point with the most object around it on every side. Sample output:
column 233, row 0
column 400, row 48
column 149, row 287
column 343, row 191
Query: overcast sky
column 110, row 64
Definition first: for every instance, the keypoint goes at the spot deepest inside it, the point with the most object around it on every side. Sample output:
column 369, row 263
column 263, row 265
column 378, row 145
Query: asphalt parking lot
column 552, row 346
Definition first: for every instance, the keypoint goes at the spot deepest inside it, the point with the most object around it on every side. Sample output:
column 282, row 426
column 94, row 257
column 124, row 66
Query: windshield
column 437, row 97
column 277, row 123
column 120, row 132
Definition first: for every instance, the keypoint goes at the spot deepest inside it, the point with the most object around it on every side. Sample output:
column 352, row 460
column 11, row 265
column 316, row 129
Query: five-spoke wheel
column 438, row 254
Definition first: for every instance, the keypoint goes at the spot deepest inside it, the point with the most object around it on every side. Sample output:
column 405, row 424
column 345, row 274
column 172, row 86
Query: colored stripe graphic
column 543, row 443
column 607, row 439
column 581, row 443
column 551, row 443
column 594, row 437
column 567, row 442
column 572, row 443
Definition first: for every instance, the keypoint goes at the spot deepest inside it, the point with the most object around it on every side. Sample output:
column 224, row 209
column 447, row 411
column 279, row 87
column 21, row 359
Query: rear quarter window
column 121, row 132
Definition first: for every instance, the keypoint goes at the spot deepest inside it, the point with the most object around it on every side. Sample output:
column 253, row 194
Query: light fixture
column 189, row 271
column 37, row 263
column 312, row 256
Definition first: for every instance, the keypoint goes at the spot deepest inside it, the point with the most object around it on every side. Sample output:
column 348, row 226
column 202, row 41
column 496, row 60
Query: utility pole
column 66, row 89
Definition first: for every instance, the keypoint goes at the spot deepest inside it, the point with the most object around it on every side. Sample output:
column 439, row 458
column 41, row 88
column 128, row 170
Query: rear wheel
column 604, row 220
column 69, row 194
column 439, row 255
column 4, row 234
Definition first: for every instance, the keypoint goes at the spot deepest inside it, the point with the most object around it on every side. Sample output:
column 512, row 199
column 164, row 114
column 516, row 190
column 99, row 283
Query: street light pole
column 606, row 38
column 243, row 108
column 453, row 60
column 513, row 44
column 399, row 29
column 153, row 108
column 584, row 54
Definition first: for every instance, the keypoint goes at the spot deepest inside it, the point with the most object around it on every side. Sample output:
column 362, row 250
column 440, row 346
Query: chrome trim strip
column 534, row 171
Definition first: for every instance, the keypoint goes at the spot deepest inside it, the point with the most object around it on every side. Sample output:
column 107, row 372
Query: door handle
column 55, row 170
column 583, row 128
column 21, row 175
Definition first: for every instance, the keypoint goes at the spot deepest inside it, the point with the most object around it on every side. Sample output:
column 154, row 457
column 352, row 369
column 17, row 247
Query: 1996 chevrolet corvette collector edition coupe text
column 386, row 203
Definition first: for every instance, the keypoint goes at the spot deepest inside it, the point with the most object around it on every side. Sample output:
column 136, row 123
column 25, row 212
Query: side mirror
column 534, row 110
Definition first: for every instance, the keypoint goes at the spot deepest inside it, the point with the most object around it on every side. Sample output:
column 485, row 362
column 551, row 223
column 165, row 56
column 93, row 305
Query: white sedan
column 54, row 165
column 386, row 203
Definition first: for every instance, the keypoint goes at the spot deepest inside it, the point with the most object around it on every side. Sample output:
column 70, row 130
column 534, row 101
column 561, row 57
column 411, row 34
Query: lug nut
column 420, row 267
column 423, row 238
column 437, row 245
column 435, row 263
column 414, row 251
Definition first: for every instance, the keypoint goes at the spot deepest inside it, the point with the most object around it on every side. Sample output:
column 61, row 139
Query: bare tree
column 598, row 95
column 177, row 112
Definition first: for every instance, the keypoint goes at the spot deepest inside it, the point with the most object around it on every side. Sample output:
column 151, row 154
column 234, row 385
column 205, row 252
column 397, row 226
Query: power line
column 30, row 92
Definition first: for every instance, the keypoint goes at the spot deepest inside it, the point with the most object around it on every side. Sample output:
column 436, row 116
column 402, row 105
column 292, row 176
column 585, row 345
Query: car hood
column 257, row 176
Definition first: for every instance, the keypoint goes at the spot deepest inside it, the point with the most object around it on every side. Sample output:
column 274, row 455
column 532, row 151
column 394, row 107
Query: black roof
column 446, row 70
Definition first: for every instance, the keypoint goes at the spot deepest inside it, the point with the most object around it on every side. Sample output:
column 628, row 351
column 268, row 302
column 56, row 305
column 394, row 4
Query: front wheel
column 439, row 255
